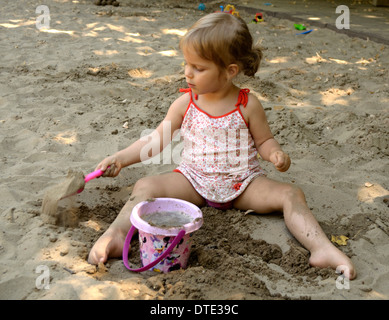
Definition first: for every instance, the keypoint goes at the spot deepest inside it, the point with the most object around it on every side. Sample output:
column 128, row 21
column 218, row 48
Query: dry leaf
column 339, row 240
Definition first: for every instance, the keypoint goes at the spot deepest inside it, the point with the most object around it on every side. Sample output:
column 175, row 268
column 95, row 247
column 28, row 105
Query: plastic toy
column 305, row 32
column 229, row 9
column 87, row 178
column 299, row 26
column 258, row 18
column 201, row 6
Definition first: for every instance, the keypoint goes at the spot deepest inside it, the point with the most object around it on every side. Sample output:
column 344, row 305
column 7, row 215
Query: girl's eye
column 199, row 69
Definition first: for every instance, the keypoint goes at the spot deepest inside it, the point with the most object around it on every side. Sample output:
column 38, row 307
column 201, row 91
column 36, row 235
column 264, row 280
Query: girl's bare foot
column 109, row 245
column 330, row 256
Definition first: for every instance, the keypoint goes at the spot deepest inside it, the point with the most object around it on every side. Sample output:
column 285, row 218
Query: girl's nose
column 188, row 72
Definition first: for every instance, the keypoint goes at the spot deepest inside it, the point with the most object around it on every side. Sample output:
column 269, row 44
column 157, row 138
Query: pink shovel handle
column 93, row 175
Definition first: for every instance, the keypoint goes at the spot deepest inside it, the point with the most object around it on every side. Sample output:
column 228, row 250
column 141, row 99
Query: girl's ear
column 232, row 71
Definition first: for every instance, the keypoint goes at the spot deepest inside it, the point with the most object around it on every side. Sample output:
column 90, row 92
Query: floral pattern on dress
column 219, row 157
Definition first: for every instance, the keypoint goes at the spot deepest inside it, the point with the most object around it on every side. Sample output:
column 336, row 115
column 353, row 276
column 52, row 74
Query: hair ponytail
column 251, row 62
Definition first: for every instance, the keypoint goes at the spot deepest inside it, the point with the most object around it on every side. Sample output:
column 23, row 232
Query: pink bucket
column 162, row 248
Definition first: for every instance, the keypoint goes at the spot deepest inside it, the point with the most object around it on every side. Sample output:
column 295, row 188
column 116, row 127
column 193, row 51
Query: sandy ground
column 100, row 76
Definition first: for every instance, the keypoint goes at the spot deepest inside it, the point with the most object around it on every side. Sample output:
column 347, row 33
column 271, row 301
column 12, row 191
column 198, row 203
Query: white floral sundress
column 219, row 157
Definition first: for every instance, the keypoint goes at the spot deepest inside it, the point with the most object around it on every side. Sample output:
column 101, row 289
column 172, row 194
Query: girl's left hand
column 280, row 160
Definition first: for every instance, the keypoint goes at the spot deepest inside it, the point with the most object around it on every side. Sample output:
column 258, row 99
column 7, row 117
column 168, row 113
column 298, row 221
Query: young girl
column 223, row 128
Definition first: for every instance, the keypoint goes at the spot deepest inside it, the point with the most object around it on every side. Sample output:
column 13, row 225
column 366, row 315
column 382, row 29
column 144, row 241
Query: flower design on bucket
column 163, row 249
column 158, row 244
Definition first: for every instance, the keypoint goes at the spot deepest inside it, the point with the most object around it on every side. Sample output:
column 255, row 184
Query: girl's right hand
column 110, row 165
column 280, row 160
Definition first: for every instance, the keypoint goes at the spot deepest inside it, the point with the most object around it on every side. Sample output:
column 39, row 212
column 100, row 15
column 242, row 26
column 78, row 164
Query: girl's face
column 202, row 76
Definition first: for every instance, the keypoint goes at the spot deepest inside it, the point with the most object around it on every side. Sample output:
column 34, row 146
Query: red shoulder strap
column 243, row 98
column 186, row 90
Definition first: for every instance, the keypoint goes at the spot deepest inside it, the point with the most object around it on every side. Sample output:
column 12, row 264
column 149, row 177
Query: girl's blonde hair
column 224, row 39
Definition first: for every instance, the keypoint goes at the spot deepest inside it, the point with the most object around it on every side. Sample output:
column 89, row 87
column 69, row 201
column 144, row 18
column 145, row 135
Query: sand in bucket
column 73, row 182
column 167, row 219
column 159, row 223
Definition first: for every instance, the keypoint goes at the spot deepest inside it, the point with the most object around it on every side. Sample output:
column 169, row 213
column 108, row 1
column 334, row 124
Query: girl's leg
column 264, row 196
column 170, row 185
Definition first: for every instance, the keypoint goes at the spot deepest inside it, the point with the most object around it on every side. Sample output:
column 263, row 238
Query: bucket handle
column 126, row 247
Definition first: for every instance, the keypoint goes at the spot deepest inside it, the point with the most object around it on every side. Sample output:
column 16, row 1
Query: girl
column 223, row 128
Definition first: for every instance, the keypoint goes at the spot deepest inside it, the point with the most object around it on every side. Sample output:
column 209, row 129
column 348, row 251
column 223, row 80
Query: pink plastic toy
column 90, row 176
column 162, row 249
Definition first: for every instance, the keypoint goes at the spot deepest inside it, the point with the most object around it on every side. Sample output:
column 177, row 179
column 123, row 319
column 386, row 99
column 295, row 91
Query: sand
column 103, row 75
column 70, row 186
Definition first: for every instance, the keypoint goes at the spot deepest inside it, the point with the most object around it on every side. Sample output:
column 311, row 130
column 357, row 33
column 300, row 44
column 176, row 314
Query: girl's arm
column 150, row 145
column 268, row 148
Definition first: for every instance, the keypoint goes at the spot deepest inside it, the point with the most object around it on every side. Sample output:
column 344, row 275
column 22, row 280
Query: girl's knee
column 293, row 193
column 146, row 187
